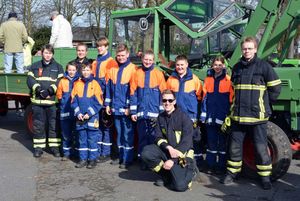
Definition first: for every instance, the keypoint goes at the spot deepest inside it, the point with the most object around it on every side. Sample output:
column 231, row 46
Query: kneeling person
column 172, row 155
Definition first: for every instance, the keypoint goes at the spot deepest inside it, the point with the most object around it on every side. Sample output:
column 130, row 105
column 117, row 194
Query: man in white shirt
column 61, row 33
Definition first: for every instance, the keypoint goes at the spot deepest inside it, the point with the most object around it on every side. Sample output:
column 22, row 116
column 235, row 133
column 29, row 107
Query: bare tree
column 70, row 8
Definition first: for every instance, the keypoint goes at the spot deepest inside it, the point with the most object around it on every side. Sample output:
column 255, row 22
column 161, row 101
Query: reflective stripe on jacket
column 87, row 99
column 63, row 95
column 100, row 68
column 188, row 92
column 256, row 85
column 117, row 93
column 145, row 92
column 176, row 130
column 217, row 97
column 45, row 76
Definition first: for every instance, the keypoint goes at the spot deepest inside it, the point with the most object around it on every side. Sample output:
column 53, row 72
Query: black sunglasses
column 168, row 100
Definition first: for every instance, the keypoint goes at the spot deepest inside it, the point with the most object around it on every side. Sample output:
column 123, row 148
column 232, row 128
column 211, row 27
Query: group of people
column 165, row 113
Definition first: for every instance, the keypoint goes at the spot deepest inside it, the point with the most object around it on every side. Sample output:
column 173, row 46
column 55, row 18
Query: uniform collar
column 148, row 69
column 123, row 65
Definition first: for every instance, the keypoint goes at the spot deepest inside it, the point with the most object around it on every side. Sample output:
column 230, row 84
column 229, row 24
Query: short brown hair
column 122, row 47
column 168, row 91
column 181, row 57
column 71, row 63
column 82, row 44
column 102, row 41
column 218, row 58
column 48, row 47
column 149, row 52
column 83, row 66
column 249, row 39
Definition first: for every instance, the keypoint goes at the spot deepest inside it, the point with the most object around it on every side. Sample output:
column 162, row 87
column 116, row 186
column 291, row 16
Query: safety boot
column 37, row 152
column 55, row 151
column 91, row 164
column 81, row 164
column 266, row 183
column 227, row 179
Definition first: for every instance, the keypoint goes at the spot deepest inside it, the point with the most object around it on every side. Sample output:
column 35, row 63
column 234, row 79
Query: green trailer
column 13, row 86
column 203, row 29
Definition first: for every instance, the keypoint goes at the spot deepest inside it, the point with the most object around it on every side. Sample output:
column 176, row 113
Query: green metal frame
column 278, row 22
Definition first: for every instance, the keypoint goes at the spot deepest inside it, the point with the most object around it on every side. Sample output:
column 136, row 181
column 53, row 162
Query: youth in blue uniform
column 86, row 103
column 117, row 103
column 217, row 97
column 100, row 67
column 145, row 99
column 67, row 121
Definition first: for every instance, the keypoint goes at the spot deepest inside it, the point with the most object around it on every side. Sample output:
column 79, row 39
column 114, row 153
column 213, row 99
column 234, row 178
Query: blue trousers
column 104, row 141
column 8, row 61
column 125, row 138
column 146, row 133
column 87, row 142
column 68, row 136
column 216, row 146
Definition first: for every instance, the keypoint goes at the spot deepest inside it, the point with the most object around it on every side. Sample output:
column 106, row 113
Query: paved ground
column 24, row 178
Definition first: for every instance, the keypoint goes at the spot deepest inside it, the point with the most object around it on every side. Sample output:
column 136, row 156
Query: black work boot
column 81, row 164
column 227, row 179
column 159, row 182
column 37, row 152
column 91, row 164
column 266, row 183
column 55, row 151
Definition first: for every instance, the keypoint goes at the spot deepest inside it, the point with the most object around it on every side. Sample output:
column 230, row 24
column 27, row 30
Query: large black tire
column 3, row 105
column 28, row 120
column 280, row 151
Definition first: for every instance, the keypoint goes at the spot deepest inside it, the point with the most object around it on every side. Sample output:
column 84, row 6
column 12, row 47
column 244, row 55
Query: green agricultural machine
column 205, row 28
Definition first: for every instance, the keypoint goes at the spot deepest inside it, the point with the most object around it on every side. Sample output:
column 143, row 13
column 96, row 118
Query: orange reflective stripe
column 157, row 79
column 209, row 84
column 104, row 67
column 92, row 90
column 63, row 86
column 173, row 84
column 128, row 72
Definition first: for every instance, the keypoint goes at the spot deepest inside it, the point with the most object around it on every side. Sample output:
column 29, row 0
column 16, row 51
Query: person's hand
column 174, row 153
column 44, row 94
column 168, row 165
column 134, row 117
column 38, row 91
column 108, row 110
column 80, row 117
column 126, row 112
column 86, row 116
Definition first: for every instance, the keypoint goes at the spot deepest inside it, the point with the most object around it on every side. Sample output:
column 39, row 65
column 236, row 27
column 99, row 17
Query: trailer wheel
column 3, row 105
column 279, row 149
column 29, row 120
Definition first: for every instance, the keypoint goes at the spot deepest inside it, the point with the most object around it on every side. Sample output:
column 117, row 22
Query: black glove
column 44, row 93
column 38, row 91
column 51, row 91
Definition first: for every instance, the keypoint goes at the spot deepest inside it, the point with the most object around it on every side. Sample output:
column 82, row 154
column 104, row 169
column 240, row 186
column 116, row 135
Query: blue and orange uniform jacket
column 145, row 92
column 63, row 95
column 188, row 91
column 217, row 98
column 87, row 99
column 100, row 68
column 117, row 93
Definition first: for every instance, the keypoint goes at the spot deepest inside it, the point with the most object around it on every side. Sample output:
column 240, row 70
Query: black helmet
column 106, row 120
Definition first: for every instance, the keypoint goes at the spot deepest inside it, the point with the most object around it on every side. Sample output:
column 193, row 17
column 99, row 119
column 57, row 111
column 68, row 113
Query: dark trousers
column 178, row 177
column 41, row 115
column 125, row 138
column 258, row 134
column 146, row 133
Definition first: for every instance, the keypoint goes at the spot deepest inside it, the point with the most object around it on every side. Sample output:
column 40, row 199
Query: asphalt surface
column 24, row 178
